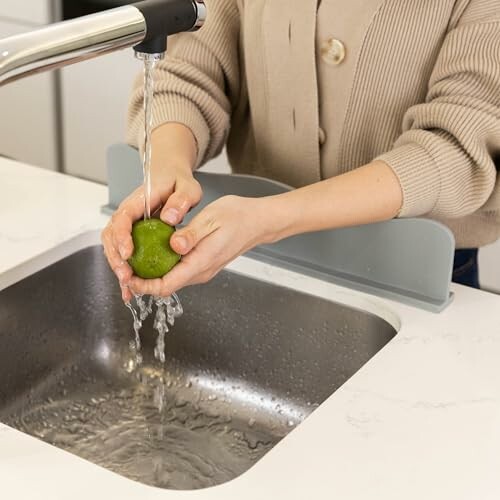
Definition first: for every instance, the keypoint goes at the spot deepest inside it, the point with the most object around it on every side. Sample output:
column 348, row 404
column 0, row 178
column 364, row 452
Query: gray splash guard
column 407, row 260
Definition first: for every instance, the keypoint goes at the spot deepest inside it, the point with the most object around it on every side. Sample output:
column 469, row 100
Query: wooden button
column 333, row 51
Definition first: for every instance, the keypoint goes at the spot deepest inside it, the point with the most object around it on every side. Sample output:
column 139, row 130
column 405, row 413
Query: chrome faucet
column 144, row 25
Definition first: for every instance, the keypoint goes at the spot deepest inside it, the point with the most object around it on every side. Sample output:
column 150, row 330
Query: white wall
column 218, row 165
column 95, row 94
column 28, row 127
column 95, row 97
column 33, row 12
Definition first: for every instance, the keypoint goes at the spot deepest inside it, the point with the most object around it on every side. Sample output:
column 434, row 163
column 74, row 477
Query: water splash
column 161, row 326
column 144, row 309
column 167, row 310
column 137, row 328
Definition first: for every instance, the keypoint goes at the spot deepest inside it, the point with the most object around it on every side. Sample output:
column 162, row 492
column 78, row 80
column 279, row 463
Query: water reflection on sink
column 245, row 364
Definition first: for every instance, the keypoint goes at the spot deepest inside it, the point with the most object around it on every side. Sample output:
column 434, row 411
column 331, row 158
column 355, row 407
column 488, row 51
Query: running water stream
column 167, row 308
column 150, row 61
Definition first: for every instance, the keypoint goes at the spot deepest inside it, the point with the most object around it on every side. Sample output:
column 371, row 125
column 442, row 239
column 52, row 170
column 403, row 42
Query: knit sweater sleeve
column 197, row 83
column 444, row 157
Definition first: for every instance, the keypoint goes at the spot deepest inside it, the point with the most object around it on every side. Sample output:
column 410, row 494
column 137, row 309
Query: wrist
column 171, row 167
column 274, row 219
column 174, row 149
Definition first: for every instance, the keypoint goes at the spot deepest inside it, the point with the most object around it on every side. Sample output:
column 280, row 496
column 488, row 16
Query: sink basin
column 246, row 364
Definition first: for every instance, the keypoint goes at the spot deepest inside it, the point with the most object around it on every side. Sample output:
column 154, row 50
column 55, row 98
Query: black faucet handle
column 168, row 17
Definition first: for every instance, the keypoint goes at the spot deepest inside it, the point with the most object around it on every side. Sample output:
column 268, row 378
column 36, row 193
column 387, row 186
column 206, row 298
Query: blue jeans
column 466, row 267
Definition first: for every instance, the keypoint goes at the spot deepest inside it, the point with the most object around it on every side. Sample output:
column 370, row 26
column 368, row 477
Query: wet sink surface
column 245, row 364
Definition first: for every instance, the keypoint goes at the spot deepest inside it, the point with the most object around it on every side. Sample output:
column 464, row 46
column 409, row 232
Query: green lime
column 153, row 257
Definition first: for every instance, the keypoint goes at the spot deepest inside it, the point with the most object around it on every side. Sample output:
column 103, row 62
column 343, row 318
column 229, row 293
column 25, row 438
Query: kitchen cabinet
column 28, row 124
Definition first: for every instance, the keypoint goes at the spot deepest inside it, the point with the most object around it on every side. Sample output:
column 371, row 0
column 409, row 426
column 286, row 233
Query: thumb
column 185, row 239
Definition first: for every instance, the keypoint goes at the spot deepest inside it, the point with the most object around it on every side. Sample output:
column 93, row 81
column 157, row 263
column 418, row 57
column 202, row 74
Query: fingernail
column 171, row 216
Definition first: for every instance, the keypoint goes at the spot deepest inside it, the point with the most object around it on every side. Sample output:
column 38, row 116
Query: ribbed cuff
column 173, row 108
column 476, row 230
column 418, row 175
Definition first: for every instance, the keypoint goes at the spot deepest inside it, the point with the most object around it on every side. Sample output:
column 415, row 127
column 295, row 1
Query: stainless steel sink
column 245, row 364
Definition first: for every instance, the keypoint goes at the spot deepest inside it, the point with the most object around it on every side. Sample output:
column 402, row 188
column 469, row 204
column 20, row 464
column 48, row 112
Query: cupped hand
column 222, row 231
column 175, row 192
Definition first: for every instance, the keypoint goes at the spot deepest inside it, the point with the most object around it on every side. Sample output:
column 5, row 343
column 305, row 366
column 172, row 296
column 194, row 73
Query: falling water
column 150, row 61
column 167, row 310
column 136, row 346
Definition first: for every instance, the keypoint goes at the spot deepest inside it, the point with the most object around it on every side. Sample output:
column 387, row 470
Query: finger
column 126, row 294
column 145, row 287
column 185, row 239
column 121, row 268
column 186, row 195
column 130, row 210
column 183, row 274
column 197, row 267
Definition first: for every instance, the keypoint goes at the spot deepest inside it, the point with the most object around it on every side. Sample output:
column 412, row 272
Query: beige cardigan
column 419, row 88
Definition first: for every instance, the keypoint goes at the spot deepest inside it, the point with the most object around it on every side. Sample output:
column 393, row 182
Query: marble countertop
column 420, row 420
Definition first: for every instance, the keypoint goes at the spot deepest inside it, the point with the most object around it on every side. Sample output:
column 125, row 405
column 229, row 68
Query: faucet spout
column 144, row 25
column 68, row 42
column 189, row 16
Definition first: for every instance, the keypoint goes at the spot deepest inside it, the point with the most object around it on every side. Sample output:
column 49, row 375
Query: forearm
column 173, row 147
column 371, row 193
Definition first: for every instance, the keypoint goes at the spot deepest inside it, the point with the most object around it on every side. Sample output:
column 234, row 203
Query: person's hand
column 221, row 232
column 175, row 191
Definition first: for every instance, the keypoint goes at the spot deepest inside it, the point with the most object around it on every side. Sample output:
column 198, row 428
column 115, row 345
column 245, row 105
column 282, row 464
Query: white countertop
column 420, row 420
